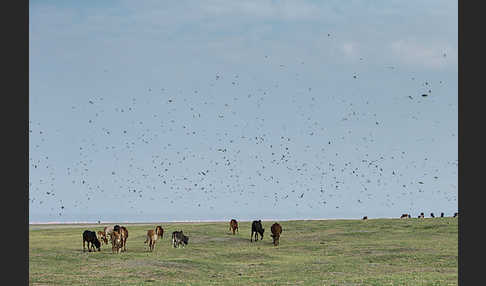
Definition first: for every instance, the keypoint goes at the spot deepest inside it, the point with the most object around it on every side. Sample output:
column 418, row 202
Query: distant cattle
column 178, row 238
column 365, row 217
column 124, row 237
column 102, row 237
column 441, row 214
column 276, row 231
column 152, row 236
column 233, row 225
column 456, row 214
column 257, row 228
column 404, row 216
column 116, row 241
column 432, row 215
column 421, row 215
column 90, row 238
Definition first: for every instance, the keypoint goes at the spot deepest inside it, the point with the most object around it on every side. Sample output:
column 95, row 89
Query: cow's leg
column 84, row 250
column 251, row 237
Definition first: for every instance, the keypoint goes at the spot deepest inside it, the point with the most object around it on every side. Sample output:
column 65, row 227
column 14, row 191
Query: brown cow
column 153, row 235
column 124, row 236
column 116, row 241
column 102, row 237
column 276, row 231
column 404, row 216
column 233, row 226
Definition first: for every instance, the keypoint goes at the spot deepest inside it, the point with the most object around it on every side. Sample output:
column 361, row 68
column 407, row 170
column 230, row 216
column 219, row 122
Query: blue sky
column 185, row 110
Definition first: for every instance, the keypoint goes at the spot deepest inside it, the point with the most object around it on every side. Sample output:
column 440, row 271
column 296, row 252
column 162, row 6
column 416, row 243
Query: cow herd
column 118, row 235
column 422, row 215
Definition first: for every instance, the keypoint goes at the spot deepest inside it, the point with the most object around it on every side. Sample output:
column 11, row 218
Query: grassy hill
column 326, row 252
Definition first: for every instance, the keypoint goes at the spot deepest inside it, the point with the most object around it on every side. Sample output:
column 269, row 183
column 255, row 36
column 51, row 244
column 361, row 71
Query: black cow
column 90, row 237
column 178, row 238
column 432, row 215
column 456, row 214
column 441, row 214
column 257, row 228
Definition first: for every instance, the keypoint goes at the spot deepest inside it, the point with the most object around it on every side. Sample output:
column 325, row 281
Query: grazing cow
column 441, row 214
column 234, row 226
column 404, row 216
column 102, row 237
column 108, row 230
column 421, row 215
column 276, row 231
column 365, row 217
column 256, row 227
column 432, row 215
column 456, row 214
column 116, row 241
column 409, row 216
column 153, row 235
column 90, row 237
column 178, row 238
column 124, row 235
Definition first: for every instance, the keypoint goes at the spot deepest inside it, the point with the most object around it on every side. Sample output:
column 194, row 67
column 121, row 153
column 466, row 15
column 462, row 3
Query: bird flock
column 237, row 140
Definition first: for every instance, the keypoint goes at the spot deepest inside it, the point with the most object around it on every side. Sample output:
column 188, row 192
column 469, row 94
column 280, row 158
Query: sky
column 212, row 110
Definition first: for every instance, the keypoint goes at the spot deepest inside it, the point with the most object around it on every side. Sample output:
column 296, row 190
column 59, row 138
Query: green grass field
column 326, row 252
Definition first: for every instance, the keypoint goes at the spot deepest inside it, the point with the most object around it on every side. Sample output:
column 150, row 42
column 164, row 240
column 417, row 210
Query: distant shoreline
column 185, row 221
